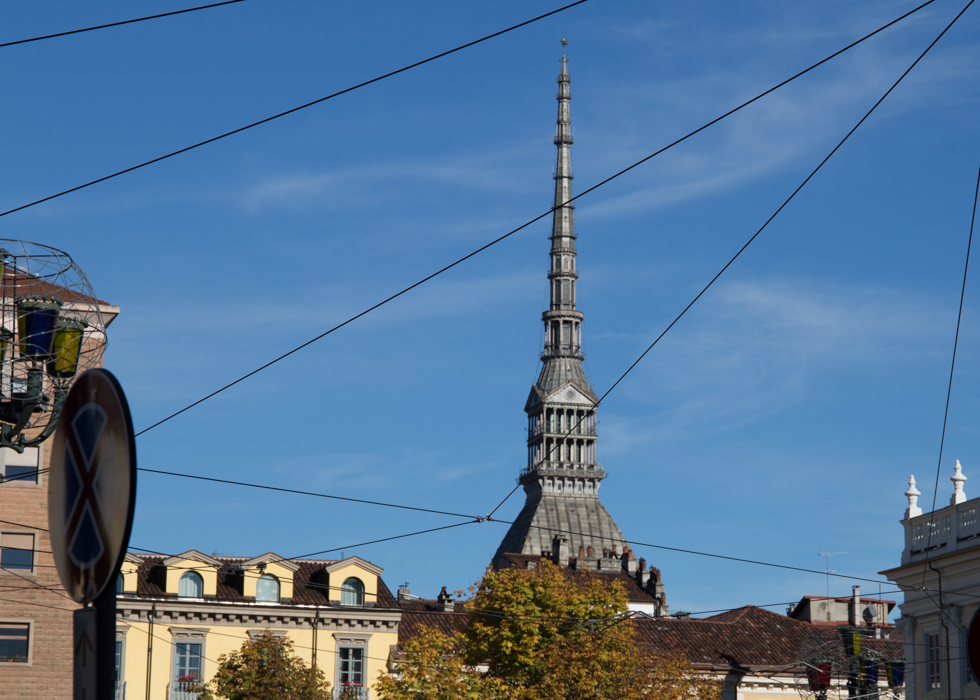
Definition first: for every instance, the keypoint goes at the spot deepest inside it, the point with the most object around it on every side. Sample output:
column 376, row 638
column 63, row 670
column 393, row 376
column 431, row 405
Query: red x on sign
column 91, row 485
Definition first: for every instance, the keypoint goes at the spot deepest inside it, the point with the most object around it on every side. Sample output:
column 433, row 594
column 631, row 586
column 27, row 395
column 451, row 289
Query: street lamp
column 51, row 330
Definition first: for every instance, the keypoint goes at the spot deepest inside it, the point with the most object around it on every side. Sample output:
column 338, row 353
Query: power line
column 288, row 111
column 23, row 477
column 702, row 554
column 119, row 24
column 751, row 239
column 506, row 235
column 307, row 493
column 387, row 539
column 11, row 522
column 952, row 366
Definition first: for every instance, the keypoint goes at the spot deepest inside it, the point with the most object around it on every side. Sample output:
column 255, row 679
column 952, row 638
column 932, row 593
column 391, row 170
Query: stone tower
column 562, row 476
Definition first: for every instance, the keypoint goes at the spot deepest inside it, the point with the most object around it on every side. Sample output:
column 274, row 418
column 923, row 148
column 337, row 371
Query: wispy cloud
column 758, row 347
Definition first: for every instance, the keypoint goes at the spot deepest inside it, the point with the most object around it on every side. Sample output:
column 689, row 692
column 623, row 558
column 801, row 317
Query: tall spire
column 562, row 476
column 562, row 322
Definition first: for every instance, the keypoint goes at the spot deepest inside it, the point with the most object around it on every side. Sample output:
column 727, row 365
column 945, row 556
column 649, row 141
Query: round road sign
column 973, row 645
column 92, row 485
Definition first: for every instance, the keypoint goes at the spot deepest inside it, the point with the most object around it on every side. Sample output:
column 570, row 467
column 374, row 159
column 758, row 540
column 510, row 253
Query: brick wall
column 48, row 674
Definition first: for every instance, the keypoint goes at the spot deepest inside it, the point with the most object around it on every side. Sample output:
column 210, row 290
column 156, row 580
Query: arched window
column 267, row 589
column 352, row 592
column 191, row 586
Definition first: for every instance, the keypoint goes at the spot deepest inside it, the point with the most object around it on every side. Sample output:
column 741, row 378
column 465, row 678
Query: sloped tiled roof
column 310, row 585
column 744, row 639
column 417, row 614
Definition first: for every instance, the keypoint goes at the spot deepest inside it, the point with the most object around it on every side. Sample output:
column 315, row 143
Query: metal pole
column 105, row 643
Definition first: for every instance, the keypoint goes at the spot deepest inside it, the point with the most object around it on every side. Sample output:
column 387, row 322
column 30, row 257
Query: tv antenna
column 828, row 571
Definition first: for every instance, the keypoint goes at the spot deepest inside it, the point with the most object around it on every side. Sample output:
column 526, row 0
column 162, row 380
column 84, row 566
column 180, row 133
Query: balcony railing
column 350, row 692
column 120, row 690
column 184, row 690
column 592, row 469
column 542, row 428
column 562, row 350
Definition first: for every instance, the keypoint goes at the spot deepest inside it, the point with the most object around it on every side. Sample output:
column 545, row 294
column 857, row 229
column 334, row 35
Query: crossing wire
column 119, row 24
column 952, row 366
column 522, row 226
column 752, row 238
column 287, row 112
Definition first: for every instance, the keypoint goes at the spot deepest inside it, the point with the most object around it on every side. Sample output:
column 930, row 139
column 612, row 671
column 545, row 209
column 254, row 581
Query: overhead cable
column 755, row 235
column 119, row 24
column 504, row 236
column 307, row 493
column 952, row 366
column 287, row 112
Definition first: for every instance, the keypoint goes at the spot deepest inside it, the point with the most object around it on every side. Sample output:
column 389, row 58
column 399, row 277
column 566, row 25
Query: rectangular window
column 118, row 660
column 935, row 657
column 14, row 638
column 351, row 670
column 19, row 468
column 16, row 551
column 187, row 662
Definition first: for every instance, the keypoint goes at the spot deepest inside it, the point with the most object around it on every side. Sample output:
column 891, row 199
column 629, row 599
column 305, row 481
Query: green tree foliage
column 542, row 635
column 266, row 669
column 432, row 670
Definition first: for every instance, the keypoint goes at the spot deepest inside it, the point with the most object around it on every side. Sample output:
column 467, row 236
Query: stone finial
column 913, row 496
column 958, row 478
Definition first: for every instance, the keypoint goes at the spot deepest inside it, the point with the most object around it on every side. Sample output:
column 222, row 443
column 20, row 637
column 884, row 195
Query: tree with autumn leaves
column 265, row 669
column 541, row 635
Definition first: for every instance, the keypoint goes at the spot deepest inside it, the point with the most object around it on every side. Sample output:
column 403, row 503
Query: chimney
column 560, row 553
column 403, row 593
column 589, row 551
column 642, row 576
column 581, row 550
column 445, row 601
column 853, row 610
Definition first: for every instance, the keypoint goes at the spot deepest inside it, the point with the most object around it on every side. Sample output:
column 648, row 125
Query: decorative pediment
column 192, row 560
column 192, row 555
column 354, row 561
column 271, row 558
column 570, row 393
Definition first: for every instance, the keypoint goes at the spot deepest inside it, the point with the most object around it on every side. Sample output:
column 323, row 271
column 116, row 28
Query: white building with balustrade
column 940, row 578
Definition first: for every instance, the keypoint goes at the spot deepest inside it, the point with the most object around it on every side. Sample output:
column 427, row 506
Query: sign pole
column 91, row 499
column 105, row 644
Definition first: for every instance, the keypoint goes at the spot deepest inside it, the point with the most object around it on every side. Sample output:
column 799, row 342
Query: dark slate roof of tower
column 559, row 371
column 583, row 520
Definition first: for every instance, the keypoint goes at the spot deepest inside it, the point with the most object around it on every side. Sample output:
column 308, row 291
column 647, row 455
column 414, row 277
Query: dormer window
column 191, row 586
column 352, row 593
column 267, row 589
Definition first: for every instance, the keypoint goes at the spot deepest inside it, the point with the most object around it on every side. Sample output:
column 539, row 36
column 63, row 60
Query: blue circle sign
column 92, row 485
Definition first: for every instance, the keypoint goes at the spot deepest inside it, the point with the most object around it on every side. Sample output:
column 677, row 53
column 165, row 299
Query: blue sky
column 782, row 416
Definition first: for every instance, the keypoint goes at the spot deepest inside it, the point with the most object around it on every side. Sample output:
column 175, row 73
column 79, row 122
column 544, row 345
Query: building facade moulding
column 208, row 614
column 188, row 633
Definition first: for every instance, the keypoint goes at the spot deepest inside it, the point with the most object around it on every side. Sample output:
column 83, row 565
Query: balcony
column 544, row 429
column 120, row 693
column 593, row 470
column 184, row 690
column 946, row 530
column 552, row 272
column 563, row 350
column 350, row 692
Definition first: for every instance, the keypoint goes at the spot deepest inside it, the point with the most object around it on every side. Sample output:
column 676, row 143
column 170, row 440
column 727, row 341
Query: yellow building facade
column 176, row 616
